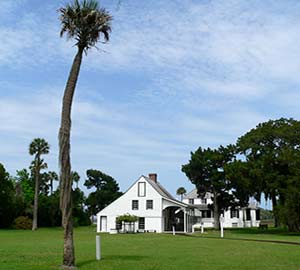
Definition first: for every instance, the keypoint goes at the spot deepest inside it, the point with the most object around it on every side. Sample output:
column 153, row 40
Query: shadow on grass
column 125, row 257
column 113, row 257
column 270, row 231
column 83, row 263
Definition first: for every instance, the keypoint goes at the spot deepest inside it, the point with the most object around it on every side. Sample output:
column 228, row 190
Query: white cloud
column 208, row 72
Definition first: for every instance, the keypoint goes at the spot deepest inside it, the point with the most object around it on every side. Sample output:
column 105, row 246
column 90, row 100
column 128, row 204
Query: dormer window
column 141, row 189
column 191, row 201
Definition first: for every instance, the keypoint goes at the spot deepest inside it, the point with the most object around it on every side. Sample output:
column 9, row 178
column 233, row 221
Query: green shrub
column 22, row 223
column 126, row 218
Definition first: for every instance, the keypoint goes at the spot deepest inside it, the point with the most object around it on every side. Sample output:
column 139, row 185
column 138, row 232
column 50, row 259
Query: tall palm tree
column 181, row 191
column 37, row 148
column 87, row 23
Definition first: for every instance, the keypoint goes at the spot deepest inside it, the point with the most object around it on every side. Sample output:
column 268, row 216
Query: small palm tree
column 181, row 191
column 75, row 178
column 87, row 23
column 37, row 148
column 52, row 176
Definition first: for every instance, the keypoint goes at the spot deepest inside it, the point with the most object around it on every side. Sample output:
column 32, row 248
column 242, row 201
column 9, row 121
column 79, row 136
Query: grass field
column 26, row 250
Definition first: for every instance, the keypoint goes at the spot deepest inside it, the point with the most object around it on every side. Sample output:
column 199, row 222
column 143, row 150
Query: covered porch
column 177, row 214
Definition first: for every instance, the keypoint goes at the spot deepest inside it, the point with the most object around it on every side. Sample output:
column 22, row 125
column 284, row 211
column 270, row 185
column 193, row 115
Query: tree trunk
column 216, row 212
column 51, row 187
column 65, row 164
column 36, row 194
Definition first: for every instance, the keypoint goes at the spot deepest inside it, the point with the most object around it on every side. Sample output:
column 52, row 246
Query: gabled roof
column 159, row 188
column 163, row 192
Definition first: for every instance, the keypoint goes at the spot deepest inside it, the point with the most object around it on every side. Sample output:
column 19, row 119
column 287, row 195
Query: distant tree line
column 33, row 195
column 263, row 162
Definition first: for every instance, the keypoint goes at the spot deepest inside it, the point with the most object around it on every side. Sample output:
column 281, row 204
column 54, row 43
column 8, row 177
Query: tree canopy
column 206, row 169
column 107, row 190
column 272, row 167
column 7, row 198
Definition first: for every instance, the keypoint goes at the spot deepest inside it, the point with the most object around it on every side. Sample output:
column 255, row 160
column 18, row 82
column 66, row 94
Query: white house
column 238, row 217
column 157, row 210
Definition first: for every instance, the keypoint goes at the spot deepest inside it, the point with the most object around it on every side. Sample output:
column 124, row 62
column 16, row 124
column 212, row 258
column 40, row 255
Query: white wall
column 123, row 205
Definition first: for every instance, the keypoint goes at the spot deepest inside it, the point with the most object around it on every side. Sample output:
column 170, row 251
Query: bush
column 126, row 218
column 22, row 223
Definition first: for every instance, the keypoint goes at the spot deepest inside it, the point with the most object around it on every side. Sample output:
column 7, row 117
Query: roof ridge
column 159, row 188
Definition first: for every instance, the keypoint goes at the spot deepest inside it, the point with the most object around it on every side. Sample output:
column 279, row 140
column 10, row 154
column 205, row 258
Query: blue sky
column 175, row 75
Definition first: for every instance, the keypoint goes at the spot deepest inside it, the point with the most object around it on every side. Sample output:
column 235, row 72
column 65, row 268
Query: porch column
column 184, row 220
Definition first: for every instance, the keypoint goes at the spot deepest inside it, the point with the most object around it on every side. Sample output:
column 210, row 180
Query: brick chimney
column 153, row 177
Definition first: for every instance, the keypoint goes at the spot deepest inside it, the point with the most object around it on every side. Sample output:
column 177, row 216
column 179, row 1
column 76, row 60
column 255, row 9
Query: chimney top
column 153, row 177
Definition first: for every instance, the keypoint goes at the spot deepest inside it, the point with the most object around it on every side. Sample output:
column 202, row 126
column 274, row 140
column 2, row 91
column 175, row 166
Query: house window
column 203, row 201
column 248, row 214
column 191, row 201
column 135, row 205
column 206, row 214
column 141, row 223
column 149, row 204
column 257, row 214
column 142, row 189
column 234, row 213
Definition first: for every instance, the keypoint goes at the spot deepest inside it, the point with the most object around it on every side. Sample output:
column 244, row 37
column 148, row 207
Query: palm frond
column 85, row 22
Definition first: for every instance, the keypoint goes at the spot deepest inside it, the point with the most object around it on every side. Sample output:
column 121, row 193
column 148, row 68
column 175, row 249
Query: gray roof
column 194, row 194
column 191, row 195
column 160, row 189
column 164, row 193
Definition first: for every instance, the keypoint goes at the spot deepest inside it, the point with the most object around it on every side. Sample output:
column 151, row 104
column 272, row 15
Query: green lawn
column 271, row 234
column 26, row 250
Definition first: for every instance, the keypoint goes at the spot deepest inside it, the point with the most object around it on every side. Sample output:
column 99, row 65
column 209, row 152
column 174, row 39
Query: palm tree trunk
column 65, row 164
column 36, row 194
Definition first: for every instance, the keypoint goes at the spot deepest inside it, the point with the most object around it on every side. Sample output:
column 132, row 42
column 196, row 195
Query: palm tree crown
column 38, row 147
column 181, row 191
column 85, row 22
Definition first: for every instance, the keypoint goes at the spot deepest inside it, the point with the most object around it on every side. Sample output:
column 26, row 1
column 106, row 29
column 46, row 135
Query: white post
column 222, row 231
column 202, row 229
column 173, row 230
column 98, row 248
column 222, row 225
column 184, row 220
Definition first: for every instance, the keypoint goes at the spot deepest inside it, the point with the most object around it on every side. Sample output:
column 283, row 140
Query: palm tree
column 75, row 178
column 52, row 176
column 181, row 191
column 87, row 23
column 37, row 148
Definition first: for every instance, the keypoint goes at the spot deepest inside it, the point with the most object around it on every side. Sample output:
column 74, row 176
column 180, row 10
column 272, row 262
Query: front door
column 141, row 223
column 103, row 223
